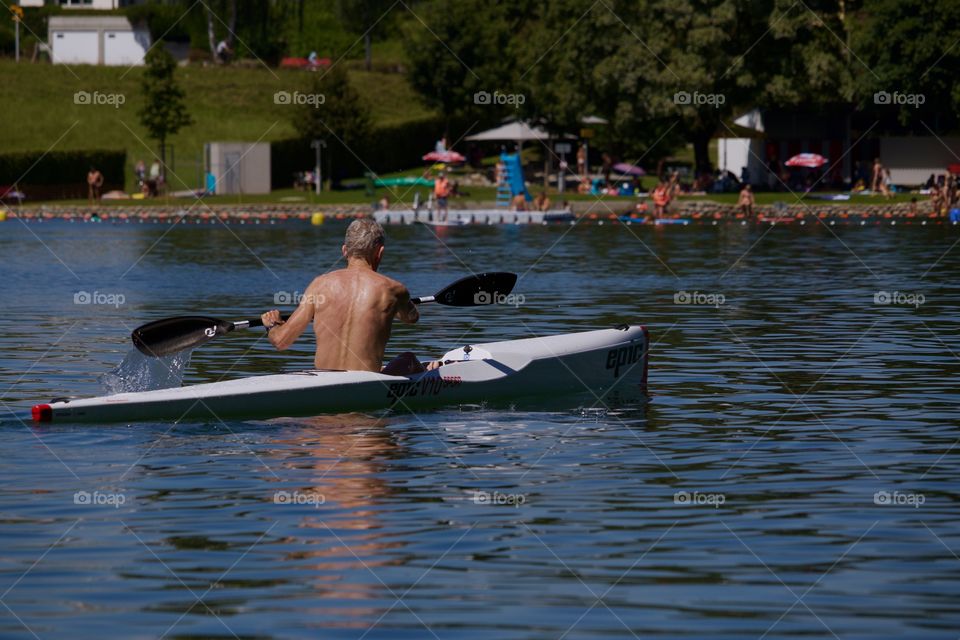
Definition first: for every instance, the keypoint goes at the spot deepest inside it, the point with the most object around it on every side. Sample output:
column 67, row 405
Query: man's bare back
column 352, row 309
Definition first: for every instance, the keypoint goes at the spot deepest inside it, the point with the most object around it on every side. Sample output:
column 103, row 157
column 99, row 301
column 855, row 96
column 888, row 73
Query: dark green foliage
column 61, row 171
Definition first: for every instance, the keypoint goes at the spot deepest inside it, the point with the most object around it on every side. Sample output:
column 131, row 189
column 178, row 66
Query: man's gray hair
column 364, row 237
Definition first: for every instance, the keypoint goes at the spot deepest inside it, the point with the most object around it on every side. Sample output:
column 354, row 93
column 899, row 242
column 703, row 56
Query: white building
column 78, row 4
column 237, row 167
column 735, row 154
column 911, row 160
column 108, row 40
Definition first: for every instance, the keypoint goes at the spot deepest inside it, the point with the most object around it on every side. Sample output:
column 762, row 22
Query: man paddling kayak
column 352, row 310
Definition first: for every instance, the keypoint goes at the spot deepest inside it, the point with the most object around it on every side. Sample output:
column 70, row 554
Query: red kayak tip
column 42, row 413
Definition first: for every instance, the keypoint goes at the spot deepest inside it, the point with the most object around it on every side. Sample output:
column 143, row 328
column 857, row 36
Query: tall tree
column 364, row 16
column 335, row 113
column 465, row 49
column 808, row 56
column 164, row 110
column 655, row 69
column 909, row 47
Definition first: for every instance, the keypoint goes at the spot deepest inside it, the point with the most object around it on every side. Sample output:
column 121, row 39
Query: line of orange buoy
column 319, row 218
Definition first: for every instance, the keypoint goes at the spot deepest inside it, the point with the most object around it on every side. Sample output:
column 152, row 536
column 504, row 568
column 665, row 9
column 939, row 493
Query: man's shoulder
column 395, row 286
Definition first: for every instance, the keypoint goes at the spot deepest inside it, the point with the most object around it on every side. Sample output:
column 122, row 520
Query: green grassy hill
column 227, row 104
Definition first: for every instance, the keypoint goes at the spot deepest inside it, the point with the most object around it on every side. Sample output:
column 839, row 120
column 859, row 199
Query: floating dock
column 474, row 216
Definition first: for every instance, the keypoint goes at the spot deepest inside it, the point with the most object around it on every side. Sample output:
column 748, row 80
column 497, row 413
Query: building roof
column 74, row 23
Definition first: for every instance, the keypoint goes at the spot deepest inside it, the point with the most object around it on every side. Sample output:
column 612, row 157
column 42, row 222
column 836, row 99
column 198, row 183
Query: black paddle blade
column 481, row 289
column 170, row 335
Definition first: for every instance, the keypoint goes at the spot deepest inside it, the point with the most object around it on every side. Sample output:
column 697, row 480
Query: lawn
column 226, row 103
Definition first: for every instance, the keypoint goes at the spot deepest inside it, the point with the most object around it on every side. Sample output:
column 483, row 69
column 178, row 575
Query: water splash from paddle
column 138, row 372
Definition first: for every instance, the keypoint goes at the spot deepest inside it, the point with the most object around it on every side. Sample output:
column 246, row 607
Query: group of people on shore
column 944, row 193
column 149, row 184
column 880, row 180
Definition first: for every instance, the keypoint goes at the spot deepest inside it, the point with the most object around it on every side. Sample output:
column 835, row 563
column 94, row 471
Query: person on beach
column 673, row 187
column 936, row 200
column 877, row 178
column 885, row 184
column 153, row 183
column 441, row 191
column 94, row 185
column 661, row 199
column 582, row 160
column 746, row 202
column 140, row 170
column 352, row 310
column 541, row 202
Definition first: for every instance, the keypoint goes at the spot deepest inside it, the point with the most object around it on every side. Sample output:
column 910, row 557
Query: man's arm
column 406, row 310
column 283, row 334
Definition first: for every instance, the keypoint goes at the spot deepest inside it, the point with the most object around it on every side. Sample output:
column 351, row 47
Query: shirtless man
column 94, row 185
column 352, row 310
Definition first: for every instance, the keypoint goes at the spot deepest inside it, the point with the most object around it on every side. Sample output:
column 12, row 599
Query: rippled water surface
column 795, row 473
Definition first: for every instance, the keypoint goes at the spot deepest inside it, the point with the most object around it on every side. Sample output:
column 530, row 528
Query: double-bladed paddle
column 170, row 335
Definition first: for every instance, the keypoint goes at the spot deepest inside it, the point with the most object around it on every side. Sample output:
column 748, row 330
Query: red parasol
column 808, row 160
column 448, row 157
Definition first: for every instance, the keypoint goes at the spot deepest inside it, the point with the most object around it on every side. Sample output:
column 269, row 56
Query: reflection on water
column 795, row 474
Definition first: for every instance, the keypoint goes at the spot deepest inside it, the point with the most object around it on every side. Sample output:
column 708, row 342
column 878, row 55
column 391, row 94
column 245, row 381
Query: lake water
column 796, row 472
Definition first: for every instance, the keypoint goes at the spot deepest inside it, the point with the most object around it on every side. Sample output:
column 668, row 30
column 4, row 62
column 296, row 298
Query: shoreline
column 317, row 213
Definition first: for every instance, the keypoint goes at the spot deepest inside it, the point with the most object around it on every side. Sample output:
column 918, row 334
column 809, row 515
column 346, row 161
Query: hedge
column 389, row 148
column 62, row 172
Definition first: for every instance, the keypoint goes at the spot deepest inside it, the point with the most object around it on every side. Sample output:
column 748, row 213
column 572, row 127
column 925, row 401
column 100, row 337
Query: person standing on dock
column 94, row 185
column 746, row 202
column 441, row 191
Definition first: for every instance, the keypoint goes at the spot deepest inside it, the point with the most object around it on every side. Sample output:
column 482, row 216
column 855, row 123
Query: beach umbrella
column 629, row 169
column 808, row 160
column 449, row 157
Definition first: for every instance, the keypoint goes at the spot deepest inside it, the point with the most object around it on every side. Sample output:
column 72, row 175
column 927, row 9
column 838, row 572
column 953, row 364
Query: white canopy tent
column 516, row 130
column 520, row 132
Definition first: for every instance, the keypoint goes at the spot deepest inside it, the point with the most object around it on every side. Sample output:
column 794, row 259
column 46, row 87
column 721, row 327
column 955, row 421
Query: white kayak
column 591, row 361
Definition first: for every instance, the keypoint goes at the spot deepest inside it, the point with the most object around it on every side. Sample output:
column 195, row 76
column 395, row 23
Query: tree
column 364, row 16
column 464, row 50
column 164, row 111
column 333, row 112
column 231, row 28
column 810, row 63
column 905, row 48
column 659, row 71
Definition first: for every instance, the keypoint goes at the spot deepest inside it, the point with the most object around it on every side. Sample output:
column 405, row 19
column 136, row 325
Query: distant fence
column 60, row 174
